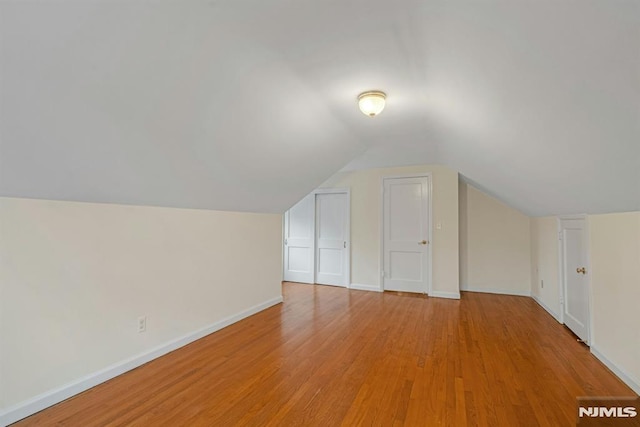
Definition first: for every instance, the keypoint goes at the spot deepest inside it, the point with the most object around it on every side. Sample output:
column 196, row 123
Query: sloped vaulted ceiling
column 249, row 104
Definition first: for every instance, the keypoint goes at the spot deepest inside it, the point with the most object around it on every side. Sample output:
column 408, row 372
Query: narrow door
column 299, row 242
column 574, row 270
column 406, row 234
column 332, row 216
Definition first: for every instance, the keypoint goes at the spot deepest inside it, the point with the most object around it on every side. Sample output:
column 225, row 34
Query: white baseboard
column 440, row 294
column 51, row 397
column 496, row 291
column 620, row 373
column 546, row 307
column 359, row 287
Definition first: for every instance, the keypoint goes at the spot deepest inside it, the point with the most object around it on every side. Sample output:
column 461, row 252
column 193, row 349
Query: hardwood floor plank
column 329, row 356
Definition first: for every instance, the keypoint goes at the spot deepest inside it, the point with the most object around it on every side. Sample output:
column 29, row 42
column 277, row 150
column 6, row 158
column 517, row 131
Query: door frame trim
column 429, row 176
column 347, row 270
column 561, row 282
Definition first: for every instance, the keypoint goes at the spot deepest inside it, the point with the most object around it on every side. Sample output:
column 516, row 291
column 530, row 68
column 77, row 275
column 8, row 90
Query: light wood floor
column 329, row 356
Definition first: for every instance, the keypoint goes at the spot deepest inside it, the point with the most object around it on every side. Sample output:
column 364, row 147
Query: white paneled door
column 573, row 245
column 316, row 239
column 406, row 234
column 299, row 241
column 332, row 216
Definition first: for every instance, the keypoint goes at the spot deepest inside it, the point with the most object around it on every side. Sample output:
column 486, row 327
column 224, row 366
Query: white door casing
column 575, row 281
column 332, row 238
column 299, row 242
column 406, row 234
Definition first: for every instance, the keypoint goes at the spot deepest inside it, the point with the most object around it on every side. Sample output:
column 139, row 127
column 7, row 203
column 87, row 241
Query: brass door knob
column 581, row 270
column 424, row 242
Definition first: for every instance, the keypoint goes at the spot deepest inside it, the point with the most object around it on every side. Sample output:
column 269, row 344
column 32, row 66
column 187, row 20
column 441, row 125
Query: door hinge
column 382, row 274
column 285, row 241
column 345, row 244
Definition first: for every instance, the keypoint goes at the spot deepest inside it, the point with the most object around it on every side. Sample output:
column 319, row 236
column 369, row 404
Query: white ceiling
column 250, row 104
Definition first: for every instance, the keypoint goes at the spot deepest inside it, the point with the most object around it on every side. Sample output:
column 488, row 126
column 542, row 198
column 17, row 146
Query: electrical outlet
column 142, row 323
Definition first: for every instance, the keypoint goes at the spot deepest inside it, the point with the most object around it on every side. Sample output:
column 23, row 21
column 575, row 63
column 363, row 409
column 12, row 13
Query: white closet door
column 574, row 275
column 332, row 217
column 299, row 241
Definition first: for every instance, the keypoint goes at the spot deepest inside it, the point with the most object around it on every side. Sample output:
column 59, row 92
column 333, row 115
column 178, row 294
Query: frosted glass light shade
column 371, row 103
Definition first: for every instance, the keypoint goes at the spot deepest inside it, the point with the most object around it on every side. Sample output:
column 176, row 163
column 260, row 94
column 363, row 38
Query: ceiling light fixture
column 371, row 103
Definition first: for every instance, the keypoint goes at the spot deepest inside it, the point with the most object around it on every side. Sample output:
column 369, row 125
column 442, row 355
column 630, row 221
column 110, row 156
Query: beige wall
column 365, row 223
column 614, row 241
column 495, row 245
column 76, row 276
column 545, row 263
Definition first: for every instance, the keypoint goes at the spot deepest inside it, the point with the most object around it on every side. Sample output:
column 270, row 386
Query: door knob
column 424, row 242
column 581, row 270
